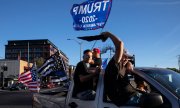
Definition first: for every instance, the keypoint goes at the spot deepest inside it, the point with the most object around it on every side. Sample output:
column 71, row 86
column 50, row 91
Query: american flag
column 52, row 66
column 29, row 78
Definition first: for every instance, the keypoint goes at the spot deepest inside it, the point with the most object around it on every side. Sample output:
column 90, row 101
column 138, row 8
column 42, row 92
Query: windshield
column 167, row 78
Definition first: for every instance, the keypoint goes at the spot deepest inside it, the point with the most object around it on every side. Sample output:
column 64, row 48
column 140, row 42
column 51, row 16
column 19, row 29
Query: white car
column 162, row 85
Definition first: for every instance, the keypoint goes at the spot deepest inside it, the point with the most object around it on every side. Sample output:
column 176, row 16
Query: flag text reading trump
column 91, row 14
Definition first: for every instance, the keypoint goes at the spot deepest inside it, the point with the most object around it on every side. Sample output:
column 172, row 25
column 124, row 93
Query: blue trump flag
column 104, row 63
column 91, row 15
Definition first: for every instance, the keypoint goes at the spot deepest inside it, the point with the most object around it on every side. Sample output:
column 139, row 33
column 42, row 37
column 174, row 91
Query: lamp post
column 3, row 68
column 80, row 43
column 28, row 55
column 179, row 62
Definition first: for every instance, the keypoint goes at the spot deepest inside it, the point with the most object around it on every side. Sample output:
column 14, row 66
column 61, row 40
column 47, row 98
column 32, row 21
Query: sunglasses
column 86, row 56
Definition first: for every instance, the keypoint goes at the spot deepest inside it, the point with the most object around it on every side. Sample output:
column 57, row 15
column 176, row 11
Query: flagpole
column 37, row 77
column 80, row 46
column 28, row 54
column 20, row 55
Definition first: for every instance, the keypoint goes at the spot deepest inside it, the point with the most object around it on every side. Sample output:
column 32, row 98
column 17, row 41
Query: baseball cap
column 97, row 50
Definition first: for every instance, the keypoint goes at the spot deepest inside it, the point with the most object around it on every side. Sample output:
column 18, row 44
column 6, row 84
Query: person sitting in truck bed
column 96, row 63
column 83, row 78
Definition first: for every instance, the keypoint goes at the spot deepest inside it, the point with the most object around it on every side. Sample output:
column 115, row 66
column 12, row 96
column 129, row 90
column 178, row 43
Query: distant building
column 14, row 68
column 18, row 50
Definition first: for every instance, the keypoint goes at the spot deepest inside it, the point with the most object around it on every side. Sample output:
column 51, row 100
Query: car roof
column 147, row 68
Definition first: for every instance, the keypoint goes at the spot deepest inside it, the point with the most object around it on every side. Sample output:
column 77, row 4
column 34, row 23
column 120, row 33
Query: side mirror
column 151, row 100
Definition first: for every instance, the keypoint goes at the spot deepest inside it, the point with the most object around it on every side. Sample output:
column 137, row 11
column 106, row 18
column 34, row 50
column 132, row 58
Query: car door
column 170, row 101
column 103, row 101
column 73, row 102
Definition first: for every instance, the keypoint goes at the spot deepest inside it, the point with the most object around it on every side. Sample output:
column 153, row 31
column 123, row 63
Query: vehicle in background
column 56, row 82
column 17, row 86
column 47, row 85
column 43, row 85
column 50, row 85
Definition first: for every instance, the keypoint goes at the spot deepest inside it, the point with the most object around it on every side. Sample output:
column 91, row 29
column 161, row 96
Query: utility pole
column 80, row 45
column 28, row 55
column 3, row 68
column 179, row 62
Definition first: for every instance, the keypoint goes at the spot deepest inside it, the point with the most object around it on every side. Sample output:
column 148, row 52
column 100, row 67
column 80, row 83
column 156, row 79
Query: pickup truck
column 163, row 92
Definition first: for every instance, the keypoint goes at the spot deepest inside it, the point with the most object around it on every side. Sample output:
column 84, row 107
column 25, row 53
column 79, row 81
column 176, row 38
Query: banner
column 91, row 15
column 104, row 63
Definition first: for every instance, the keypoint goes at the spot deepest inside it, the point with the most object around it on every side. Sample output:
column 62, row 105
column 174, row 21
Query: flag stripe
column 26, row 77
column 27, row 81
column 45, row 65
column 63, row 78
column 52, row 65
column 25, row 74
column 46, row 68
column 47, row 72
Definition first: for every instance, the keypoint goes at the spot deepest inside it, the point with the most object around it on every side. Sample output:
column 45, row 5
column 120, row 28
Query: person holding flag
column 116, row 84
column 97, row 61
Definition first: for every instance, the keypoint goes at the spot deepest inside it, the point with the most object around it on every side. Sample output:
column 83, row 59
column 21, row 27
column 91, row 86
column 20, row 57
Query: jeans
column 87, row 95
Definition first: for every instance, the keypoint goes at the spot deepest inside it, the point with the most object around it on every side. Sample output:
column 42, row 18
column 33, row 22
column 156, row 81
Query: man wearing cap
column 96, row 64
column 116, row 84
column 97, row 61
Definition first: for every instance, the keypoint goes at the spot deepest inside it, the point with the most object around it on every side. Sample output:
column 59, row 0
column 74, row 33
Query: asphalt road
column 15, row 99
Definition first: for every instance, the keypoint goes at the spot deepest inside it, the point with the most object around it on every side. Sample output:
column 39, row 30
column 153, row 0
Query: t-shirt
column 97, row 62
column 116, row 84
column 81, row 69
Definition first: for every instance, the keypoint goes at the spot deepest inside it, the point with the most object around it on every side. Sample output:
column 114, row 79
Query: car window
column 167, row 78
column 137, row 82
column 151, row 89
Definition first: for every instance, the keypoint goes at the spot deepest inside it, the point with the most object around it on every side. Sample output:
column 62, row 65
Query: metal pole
column 179, row 62
column 80, row 46
column 20, row 55
column 2, row 79
column 28, row 54
column 110, row 52
column 80, row 49
column 4, row 68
